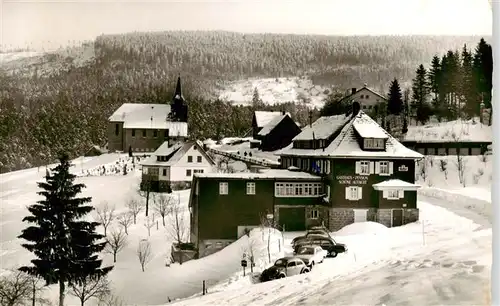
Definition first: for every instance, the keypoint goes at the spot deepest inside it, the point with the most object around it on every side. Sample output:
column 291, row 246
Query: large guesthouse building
column 338, row 170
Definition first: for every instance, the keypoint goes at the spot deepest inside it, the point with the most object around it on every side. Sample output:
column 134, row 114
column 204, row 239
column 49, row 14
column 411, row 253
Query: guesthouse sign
column 403, row 168
column 352, row 179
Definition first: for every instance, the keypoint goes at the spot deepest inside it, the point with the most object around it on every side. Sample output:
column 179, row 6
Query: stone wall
column 384, row 216
column 410, row 215
column 208, row 247
column 340, row 217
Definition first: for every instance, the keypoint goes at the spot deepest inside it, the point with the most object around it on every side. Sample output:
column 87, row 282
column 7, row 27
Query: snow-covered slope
column 275, row 91
column 456, row 130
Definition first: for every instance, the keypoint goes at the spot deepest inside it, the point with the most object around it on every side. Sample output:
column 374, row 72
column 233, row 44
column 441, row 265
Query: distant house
column 365, row 96
column 172, row 165
column 341, row 169
column 261, row 119
column 95, row 151
column 144, row 127
column 277, row 133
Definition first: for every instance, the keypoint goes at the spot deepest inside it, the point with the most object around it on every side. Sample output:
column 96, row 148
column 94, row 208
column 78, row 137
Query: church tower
column 179, row 109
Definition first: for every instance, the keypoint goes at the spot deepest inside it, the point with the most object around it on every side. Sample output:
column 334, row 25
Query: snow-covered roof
column 451, row 131
column 369, row 129
column 148, row 116
column 323, row 128
column 365, row 87
column 165, row 149
column 272, row 124
column 346, row 144
column 176, row 152
column 263, row 117
column 266, row 174
column 395, row 183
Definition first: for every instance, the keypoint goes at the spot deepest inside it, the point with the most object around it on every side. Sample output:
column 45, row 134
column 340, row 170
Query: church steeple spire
column 178, row 89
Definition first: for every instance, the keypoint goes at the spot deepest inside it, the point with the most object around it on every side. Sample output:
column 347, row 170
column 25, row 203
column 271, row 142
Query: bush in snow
column 461, row 167
column 423, row 170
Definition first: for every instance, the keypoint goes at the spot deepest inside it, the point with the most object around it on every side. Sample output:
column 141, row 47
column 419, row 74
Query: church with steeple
column 141, row 127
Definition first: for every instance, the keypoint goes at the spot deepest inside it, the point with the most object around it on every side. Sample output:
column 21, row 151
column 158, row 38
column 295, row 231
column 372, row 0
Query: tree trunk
column 33, row 298
column 163, row 220
column 114, row 256
column 82, row 302
column 126, row 231
column 61, row 292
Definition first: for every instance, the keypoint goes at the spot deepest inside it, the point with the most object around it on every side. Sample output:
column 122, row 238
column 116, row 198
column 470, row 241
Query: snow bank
column 359, row 228
column 463, row 130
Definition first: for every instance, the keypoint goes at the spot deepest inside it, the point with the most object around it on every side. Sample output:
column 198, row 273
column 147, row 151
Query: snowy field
column 275, row 91
column 445, row 258
column 457, row 130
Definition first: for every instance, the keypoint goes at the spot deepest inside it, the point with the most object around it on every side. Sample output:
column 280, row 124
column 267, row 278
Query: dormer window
column 374, row 143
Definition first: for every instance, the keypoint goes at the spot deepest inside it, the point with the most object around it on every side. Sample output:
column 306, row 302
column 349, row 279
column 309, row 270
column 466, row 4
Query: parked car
column 308, row 236
column 284, row 267
column 311, row 255
column 309, row 233
column 329, row 244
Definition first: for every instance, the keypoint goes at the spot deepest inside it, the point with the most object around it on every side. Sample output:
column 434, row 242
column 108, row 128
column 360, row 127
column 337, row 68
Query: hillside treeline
column 42, row 114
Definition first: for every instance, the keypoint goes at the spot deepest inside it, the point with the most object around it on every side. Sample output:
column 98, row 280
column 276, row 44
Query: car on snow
column 284, row 267
column 328, row 244
column 311, row 255
column 307, row 236
column 318, row 232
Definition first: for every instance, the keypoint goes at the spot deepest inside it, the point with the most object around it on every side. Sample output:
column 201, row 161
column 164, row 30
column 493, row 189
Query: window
column 250, row 188
column 298, row 189
column 363, row 167
column 314, row 214
column 143, row 133
column 441, row 151
column 155, row 133
column 198, row 171
column 144, row 170
column 190, row 159
column 188, row 172
column 223, row 188
column 374, row 143
column 393, row 194
column 362, row 96
column 198, row 159
column 166, row 134
column 367, row 97
column 117, row 129
column 133, row 132
column 164, row 172
column 383, row 168
column 353, row 193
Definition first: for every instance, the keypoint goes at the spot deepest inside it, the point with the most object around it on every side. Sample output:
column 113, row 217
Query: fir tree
column 65, row 246
column 395, row 99
column 420, row 93
column 468, row 86
column 256, row 101
column 434, row 78
column 483, row 68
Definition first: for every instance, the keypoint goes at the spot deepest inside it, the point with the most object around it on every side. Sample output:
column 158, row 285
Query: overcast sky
column 39, row 22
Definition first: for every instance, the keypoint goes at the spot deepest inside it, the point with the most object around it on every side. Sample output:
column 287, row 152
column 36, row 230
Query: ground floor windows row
column 298, row 189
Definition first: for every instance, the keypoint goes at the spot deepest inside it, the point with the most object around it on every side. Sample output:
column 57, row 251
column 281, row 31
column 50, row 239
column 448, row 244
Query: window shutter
column 358, row 167
column 391, row 168
column 360, row 193
column 347, row 194
column 401, row 193
column 385, row 194
column 377, row 167
column 372, row 168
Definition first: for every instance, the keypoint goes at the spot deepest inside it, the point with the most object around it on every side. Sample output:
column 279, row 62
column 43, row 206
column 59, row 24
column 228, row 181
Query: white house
column 172, row 166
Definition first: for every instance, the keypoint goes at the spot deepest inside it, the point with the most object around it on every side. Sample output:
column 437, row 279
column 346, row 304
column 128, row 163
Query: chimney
column 353, row 90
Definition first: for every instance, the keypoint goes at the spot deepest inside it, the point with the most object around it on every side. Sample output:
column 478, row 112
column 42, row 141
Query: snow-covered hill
column 275, row 91
column 45, row 63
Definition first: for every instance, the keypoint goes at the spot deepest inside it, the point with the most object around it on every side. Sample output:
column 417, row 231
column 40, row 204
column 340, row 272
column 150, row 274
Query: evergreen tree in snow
column 256, row 101
column 483, row 67
column 468, row 86
column 65, row 246
column 420, row 94
column 395, row 99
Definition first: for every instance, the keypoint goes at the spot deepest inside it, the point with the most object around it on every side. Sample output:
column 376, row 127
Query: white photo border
column 495, row 192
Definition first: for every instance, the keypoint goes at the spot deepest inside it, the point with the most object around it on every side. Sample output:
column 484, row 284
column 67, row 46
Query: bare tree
column 125, row 220
column 116, row 241
column 134, row 208
column 89, row 287
column 15, row 289
column 423, row 169
column 178, row 224
column 443, row 165
column 149, row 224
column 461, row 168
column 267, row 222
column 105, row 214
column 144, row 253
column 162, row 205
column 110, row 300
